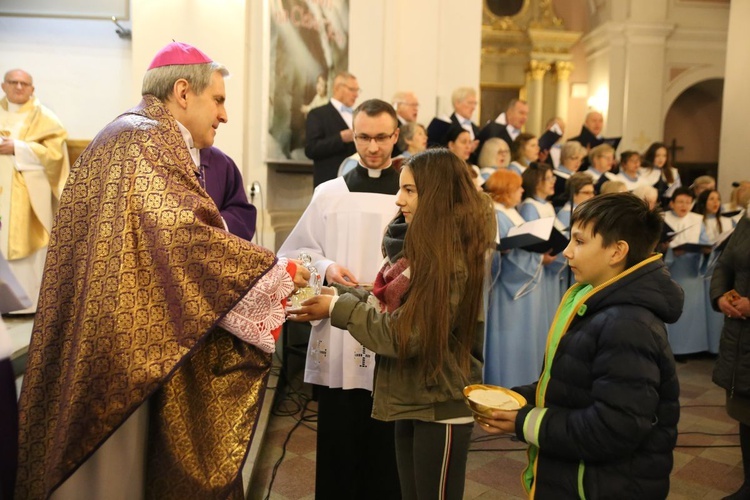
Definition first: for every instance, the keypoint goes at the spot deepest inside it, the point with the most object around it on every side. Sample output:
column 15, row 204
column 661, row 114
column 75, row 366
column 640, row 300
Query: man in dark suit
column 406, row 105
column 329, row 129
column 507, row 125
column 464, row 101
column 591, row 134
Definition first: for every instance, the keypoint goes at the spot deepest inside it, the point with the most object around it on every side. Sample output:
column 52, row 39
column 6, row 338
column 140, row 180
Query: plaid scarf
column 392, row 281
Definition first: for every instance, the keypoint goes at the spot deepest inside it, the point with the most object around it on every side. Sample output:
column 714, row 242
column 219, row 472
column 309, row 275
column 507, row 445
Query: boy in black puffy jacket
column 602, row 419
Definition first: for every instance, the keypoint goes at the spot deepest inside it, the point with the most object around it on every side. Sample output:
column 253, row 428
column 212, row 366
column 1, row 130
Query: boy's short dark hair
column 622, row 216
column 682, row 190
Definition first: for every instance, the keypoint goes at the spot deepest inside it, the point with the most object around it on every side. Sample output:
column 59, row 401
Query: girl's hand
column 312, row 309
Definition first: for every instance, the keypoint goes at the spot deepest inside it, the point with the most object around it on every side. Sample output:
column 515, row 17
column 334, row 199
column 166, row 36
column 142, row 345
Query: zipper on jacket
column 581, row 471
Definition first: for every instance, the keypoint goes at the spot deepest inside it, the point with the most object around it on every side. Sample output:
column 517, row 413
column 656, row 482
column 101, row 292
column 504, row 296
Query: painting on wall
column 309, row 46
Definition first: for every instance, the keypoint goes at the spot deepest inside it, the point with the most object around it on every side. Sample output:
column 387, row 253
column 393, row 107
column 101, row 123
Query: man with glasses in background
column 33, row 160
column 342, row 230
column 329, row 133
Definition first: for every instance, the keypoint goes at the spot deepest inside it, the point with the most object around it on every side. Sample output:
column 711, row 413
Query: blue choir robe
column 714, row 319
column 534, row 208
column 516, row 323
column 689, row 334
column 563, row 220
column 517, row 167
column 630, row 182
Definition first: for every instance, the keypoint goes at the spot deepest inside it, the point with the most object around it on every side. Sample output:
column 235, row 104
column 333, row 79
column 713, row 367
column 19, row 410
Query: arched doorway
column 692, row 129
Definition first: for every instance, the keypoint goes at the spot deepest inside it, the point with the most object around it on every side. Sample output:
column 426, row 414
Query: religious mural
column 309, row 45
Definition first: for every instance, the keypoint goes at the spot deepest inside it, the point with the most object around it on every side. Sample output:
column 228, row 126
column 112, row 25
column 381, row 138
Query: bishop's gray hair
column 159, row 82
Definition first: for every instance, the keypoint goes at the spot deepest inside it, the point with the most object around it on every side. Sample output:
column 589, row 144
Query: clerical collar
column 375, row 173
column 195, row 154
column 13, row 107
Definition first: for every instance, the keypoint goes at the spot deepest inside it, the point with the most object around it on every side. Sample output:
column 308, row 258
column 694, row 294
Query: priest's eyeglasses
column 15, row 83
column 380, row 139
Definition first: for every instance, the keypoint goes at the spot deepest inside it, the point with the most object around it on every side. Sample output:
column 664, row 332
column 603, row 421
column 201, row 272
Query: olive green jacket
column 400, row 389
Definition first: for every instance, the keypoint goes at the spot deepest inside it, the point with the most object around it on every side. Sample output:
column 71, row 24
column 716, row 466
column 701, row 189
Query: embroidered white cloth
column 261, row 311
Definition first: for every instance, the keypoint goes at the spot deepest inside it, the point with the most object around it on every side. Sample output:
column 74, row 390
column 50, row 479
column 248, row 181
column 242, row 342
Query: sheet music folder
column 548, row 139
column 588, row 139
column 12, row 295
column 539, row 236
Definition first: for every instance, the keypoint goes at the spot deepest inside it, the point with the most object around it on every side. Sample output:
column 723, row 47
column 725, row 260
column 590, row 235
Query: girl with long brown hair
column 424, row 320
column 657, row 170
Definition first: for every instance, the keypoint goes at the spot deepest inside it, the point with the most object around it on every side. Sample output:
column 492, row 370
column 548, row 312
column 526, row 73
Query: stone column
column 733, row 146
column 562, row 75
column 535, row 78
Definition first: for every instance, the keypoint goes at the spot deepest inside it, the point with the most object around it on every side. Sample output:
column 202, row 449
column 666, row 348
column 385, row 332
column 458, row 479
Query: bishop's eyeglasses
column 380, row 139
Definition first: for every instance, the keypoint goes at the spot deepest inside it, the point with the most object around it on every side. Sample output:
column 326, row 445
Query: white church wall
column 733, row 146
column 81, row 68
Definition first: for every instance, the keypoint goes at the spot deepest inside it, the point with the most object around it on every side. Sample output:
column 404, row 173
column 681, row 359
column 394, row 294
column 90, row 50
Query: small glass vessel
column 314, row 284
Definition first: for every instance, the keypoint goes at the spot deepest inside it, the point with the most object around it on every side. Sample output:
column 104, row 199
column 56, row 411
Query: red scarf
column 391, row 284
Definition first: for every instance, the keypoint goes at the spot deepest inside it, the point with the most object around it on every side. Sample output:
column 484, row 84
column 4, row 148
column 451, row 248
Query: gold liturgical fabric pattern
column 138, row 273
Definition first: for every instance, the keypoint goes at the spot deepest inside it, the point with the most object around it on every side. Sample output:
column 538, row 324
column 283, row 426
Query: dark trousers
column 356, row 456
column 432, row 459
column 8, row 430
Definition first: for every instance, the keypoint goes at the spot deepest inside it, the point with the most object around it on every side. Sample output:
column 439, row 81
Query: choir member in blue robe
column 579, row 188
column 524, row 151
column 539, row 186
column 516, row 323
column 689, row 334
column 715, row 226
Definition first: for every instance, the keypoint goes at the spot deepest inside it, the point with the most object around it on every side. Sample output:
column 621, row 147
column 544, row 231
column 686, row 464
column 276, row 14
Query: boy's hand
column 502, row 422
column 312, row 309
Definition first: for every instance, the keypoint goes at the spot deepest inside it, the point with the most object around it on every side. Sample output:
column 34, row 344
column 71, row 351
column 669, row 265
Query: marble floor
column 707, row 458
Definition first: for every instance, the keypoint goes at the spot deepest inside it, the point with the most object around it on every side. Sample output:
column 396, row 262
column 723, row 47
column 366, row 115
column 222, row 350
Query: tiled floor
column 707, row 466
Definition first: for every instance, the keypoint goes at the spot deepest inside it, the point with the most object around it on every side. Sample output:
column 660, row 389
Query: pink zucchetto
column 178, row 53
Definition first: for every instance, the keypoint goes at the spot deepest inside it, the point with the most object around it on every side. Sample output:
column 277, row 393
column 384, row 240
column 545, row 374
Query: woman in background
column 657, row 171
column 630, row 164
column 514, row 347
column 715, row 225
column 412, row 139
column 539, row 186
column 524, row 151
column 602, row 158
column 729, row 294
column 571, row 157
column 460, row 144
column 495, row 155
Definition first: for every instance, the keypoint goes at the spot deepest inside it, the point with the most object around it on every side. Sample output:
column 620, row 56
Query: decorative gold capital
column 563, row 70
column 537, row 69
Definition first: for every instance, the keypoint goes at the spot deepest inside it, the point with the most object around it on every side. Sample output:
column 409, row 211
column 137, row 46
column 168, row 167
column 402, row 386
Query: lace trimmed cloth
column 258, row 316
